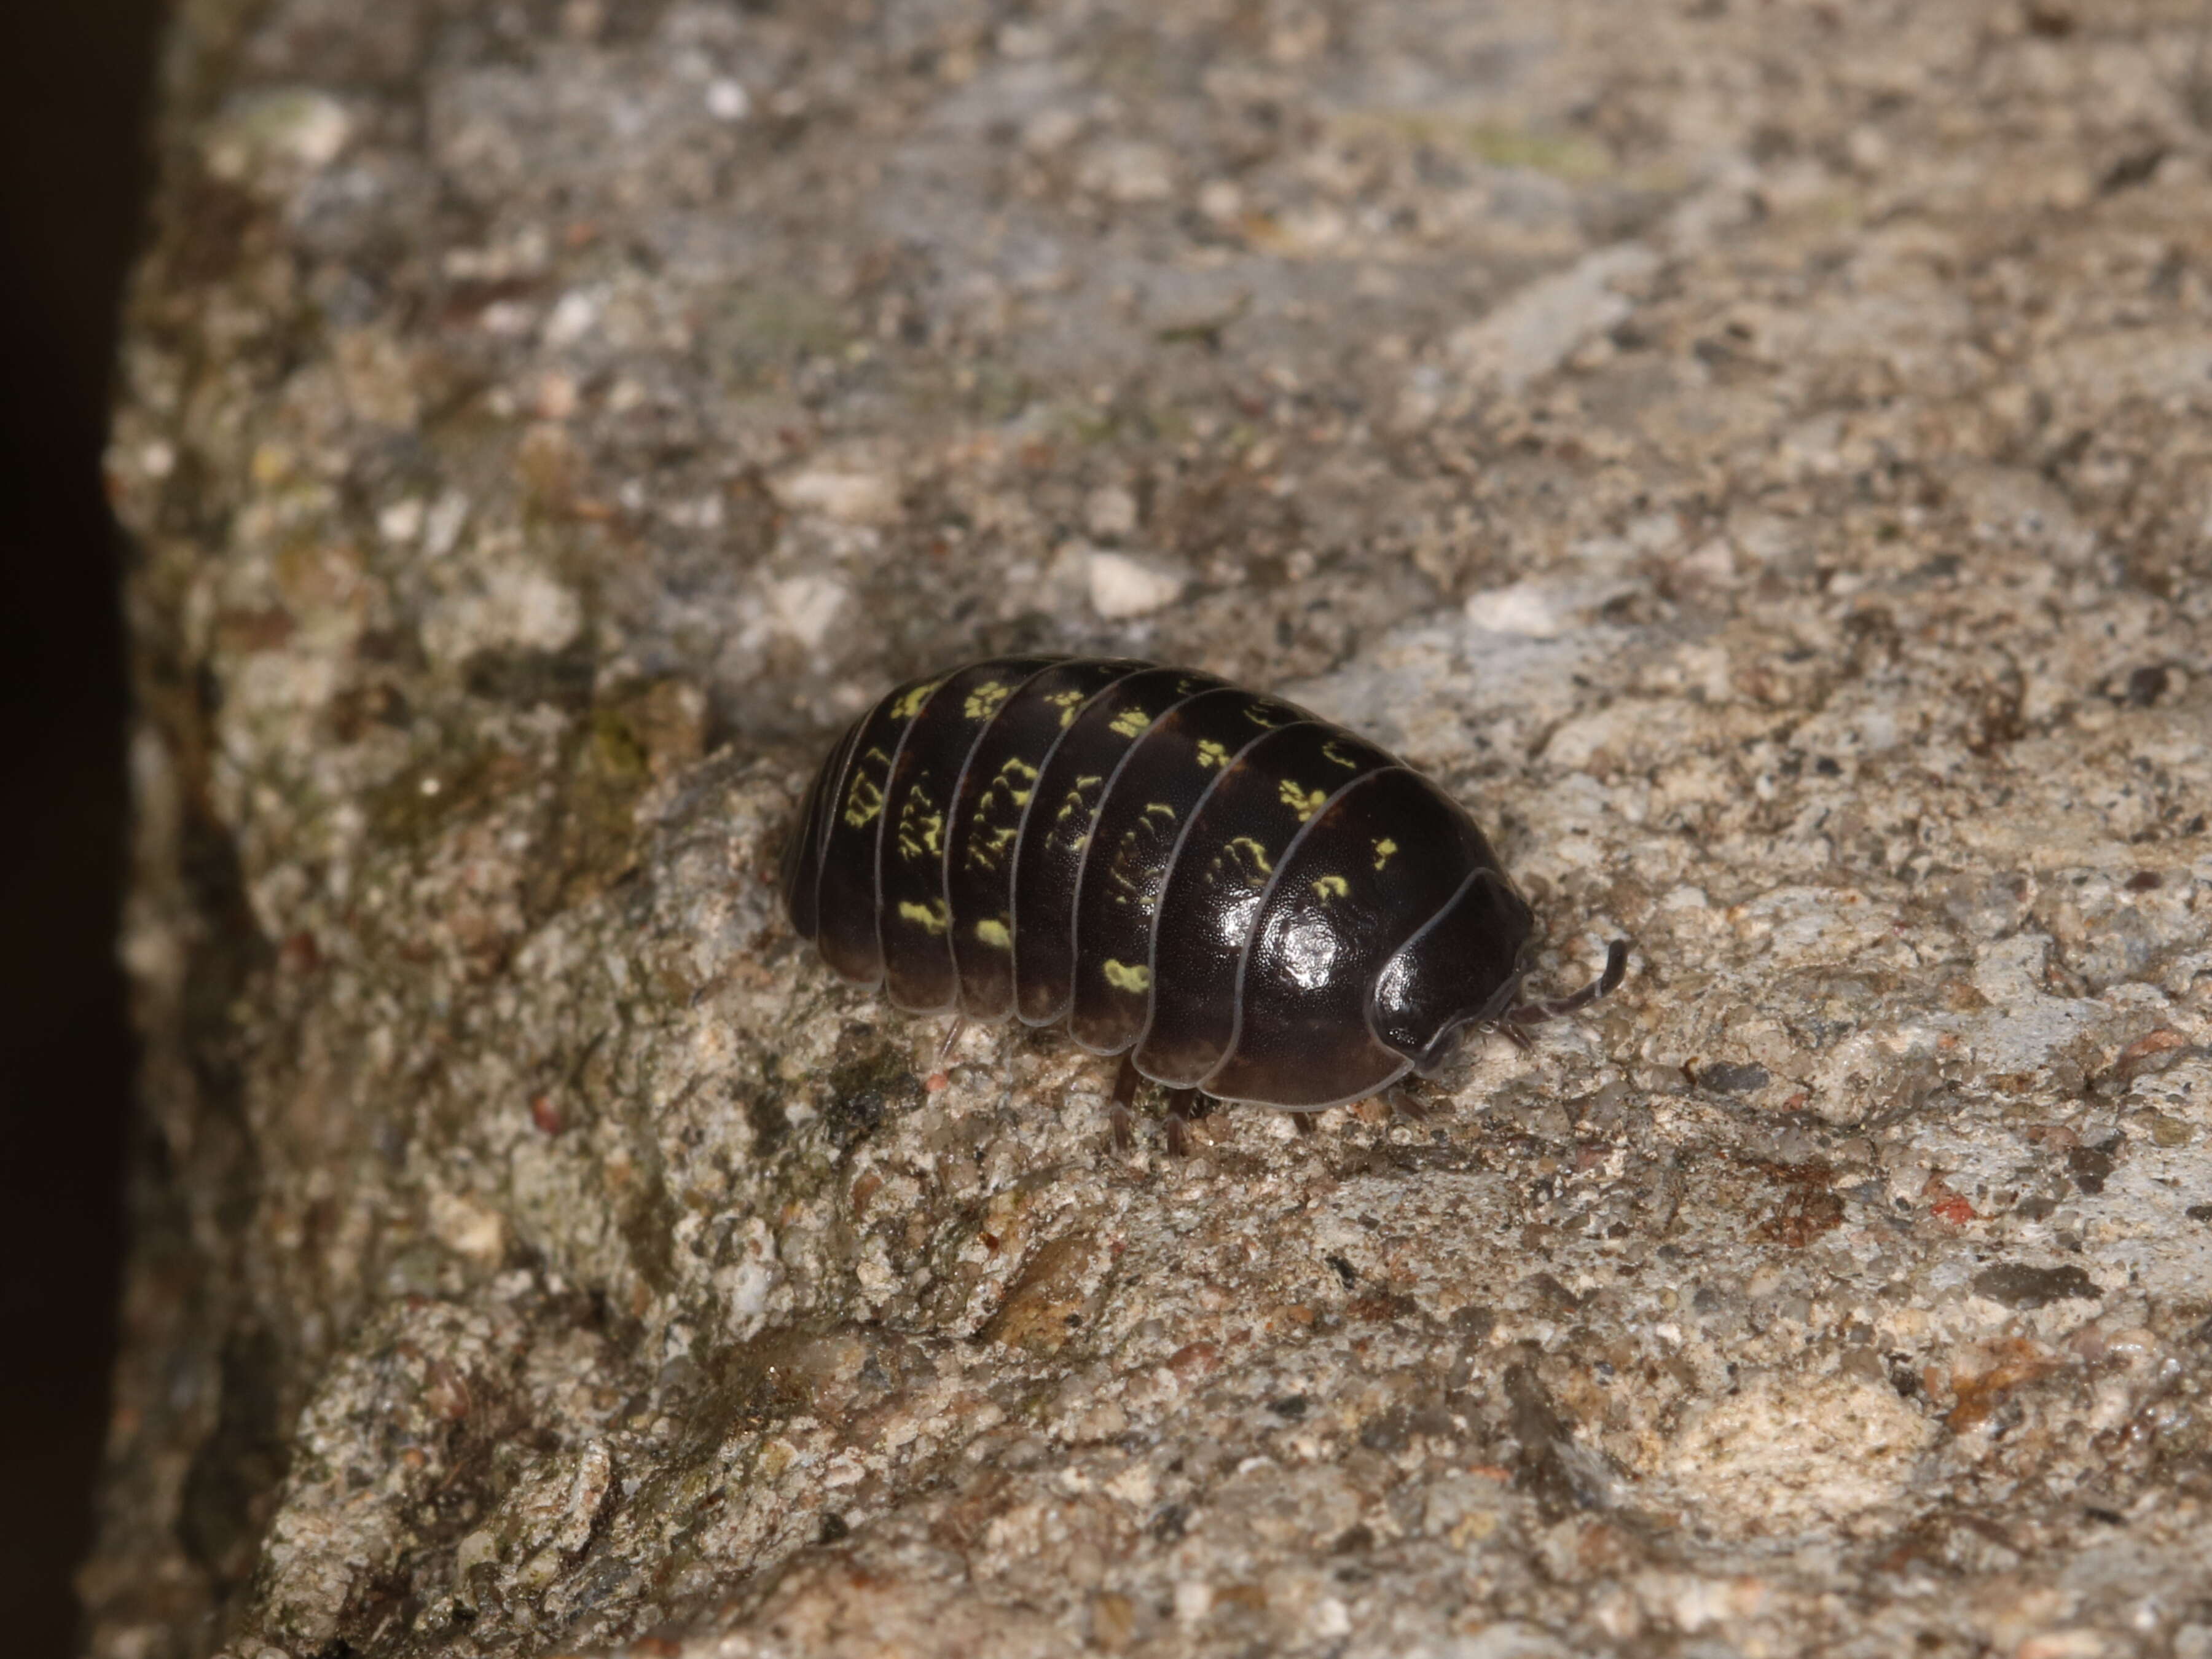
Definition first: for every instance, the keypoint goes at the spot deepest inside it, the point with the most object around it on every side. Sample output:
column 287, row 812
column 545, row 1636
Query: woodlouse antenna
column 1536, row 1014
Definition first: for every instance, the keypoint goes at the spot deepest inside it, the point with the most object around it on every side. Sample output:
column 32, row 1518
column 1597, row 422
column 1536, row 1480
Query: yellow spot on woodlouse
column 1074, row 804
column 1252, row 851
column 986, row 852
column 1012, row 775
column 1067, row 702
column 1126, row 870
column 931, row 917
column 1330, row 751
column 993, row 932
column 1331, row 887
column 1129, row 722
column 1123, row 976
column 866, row 798
column 1266, row 715
column 1210, row 753
column 919, row 835
column 1303, row 801
column 1384, row 849
column 983, row 701
column 910, row 705
column 863, row 803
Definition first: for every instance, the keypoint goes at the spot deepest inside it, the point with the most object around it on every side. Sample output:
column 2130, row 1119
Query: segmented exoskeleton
column 1238, row 898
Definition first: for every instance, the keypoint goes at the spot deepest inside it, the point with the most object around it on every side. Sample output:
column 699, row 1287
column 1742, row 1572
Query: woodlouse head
column 1463, row 968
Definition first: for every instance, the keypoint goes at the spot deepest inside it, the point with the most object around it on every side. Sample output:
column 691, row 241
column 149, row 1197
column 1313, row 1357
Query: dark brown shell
column 1248, row 900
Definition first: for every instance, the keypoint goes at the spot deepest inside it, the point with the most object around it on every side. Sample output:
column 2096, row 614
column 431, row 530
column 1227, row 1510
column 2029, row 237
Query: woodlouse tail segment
column 1536, row 1014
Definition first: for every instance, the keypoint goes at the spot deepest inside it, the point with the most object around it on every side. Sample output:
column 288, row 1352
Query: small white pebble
column 1524, row 608
column 1134, row 1486
column 441, row 530
column 476, row 1550
column 1050, row 130
column 508, row 318
column 804, row 606
column 853, row 497
column 575, row 316
column 1123, row 586
column 1130, row 172
column 402, row 521
column 467, row 1229
column 728, row 100
column 1221, row 198
column 308, row 127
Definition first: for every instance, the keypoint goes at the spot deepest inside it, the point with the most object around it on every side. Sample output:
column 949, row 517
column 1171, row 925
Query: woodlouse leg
column 951, row 1038
column 1514, row 1034
column 1118, row 1115
column 1536, row 1014
column 1306, row 1127
column 1185, row 1107
column 1404, row 1103
column 1125, row 1083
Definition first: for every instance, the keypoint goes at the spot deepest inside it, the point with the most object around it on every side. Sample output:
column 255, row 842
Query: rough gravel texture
column 1760, row 456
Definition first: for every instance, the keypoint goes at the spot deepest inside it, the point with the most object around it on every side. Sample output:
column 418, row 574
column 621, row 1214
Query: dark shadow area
column 74, row 83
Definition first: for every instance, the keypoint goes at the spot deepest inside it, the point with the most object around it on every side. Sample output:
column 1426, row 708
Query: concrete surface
column 1757, row 455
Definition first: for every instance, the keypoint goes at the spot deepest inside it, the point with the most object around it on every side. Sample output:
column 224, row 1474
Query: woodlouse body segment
column 914, row 916
column 1137, row 830
column 1238, row 898
column 1056, row 837
column 997, row 783
column 1223, row 868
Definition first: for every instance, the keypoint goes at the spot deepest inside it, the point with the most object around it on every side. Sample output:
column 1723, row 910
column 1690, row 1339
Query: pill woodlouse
column 1239, row 898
